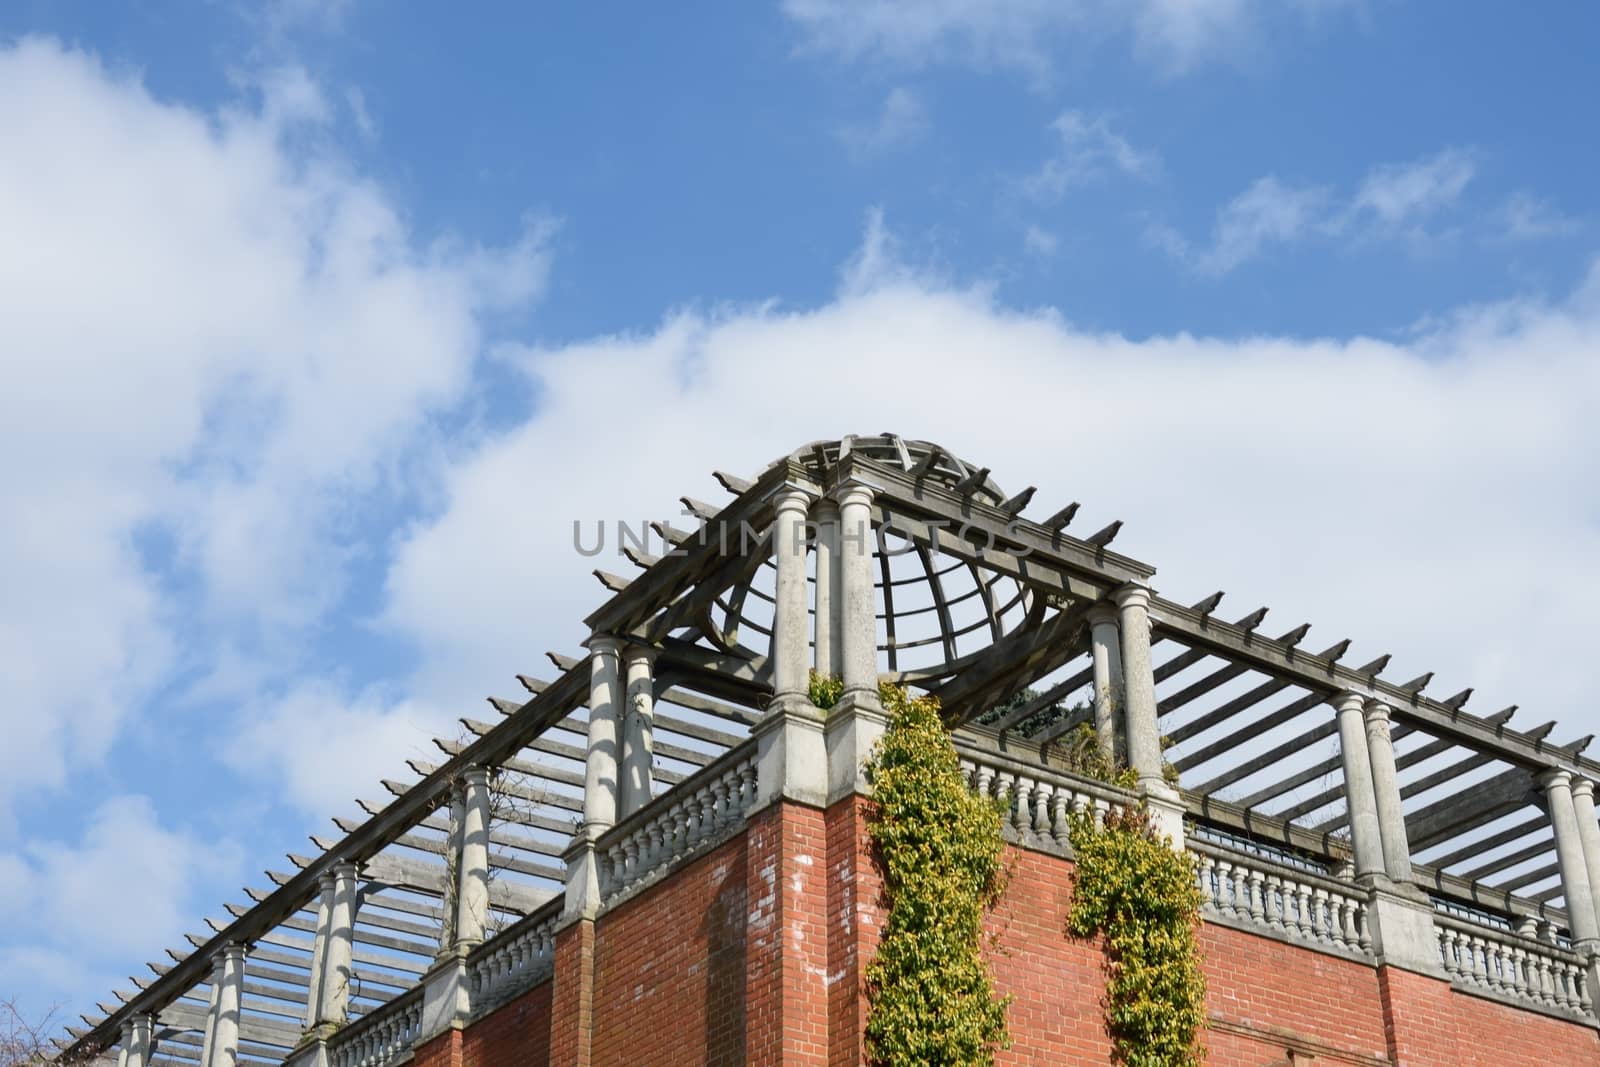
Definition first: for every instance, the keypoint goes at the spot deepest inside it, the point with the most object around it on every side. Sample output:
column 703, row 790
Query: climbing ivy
column 1133, row 887
column 825, row 689
column 940, row 850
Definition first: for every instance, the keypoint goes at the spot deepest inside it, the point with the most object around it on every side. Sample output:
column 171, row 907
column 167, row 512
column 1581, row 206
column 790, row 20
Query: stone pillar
column 1139, row 684
column 789, row 616
column 856, row 723
column 1107, row 661
column 136, row 1041
column 792, row 761
column 1140, row 721
column 333, row 1001
column 472, row 867
column 638, row 737
column 1386, row 793
column 858, row 609
column 225, row 1023
column 1361, row 805
column 1588, row 836
column 319, row 947
column 605, row 706
column 209, row 1038
column 1557, row 786
column 828, row 654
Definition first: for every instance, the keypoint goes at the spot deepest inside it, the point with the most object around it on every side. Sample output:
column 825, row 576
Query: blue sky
column 323, row 322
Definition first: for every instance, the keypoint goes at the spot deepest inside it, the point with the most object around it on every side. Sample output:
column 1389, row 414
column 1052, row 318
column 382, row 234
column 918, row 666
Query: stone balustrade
column 1512, row 966
column 693, row 815
column 514, row 961
column 1292, row 903
column 382, row 1036
column 1041, row 799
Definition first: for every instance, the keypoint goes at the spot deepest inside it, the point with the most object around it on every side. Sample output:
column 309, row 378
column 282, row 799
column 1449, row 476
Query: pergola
column 979, row 597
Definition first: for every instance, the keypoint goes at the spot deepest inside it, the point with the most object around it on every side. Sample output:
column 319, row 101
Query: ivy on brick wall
column 931, row 993
column 1133, row 887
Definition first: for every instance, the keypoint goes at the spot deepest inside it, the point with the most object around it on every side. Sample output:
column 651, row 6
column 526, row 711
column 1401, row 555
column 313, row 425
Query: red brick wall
column 670, row 968
column 754, row 955
column 786, row 958
column 516, row 1034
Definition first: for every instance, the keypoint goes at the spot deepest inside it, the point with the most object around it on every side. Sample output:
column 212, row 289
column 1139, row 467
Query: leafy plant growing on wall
column 939, row 846
column 825, row 690
column 1133, row 887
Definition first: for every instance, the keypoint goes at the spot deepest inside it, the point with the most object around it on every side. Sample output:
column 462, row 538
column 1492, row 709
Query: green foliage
column 1134, row 888
column 1083, row 754
column 825, row 689
column 1040, row 719
column 940, row 850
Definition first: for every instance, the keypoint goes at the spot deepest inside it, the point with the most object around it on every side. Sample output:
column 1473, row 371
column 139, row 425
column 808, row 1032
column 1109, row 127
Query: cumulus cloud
column 1173, row 35
column 219, row 339
column 126, row 888
column 1368, row 486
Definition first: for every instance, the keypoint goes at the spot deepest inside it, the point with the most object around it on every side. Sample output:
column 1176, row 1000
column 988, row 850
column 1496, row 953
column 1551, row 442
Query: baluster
column 1225, row 903
column 1022, row 808
column 1101, row 807
column 1060, row 829
column 1042, row 795
column 630, row 860
column 708, row 811
column 719, row 803
column 1203, row 875
column 1319, row 904
column 747, row 790
column 1585, row 1001
column 1254, row 883
column 1307, row 925
column 659, row 852
column 984, row 780
column 1449, row 946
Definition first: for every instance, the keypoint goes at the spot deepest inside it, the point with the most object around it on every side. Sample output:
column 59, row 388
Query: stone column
column 792, row 761
column 638, row 738
column 136, row 1036
column 1588, row 836
column 1139, row 684
column 1386, row 793
column 858, row 609
column 333, row 1001
column 1107, row 662
column 210, row 1036
column 828, row 655
column 857, row 722
column 605, row 706
column 1557, row 786
column 789, row 616
column 1360, row 801
column 319, row 947
column 225, row 1025
column 472, row 867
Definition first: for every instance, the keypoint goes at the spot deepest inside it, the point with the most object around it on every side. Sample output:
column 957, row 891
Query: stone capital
column 1555, row 778
column 854, row 494
column 475, row 776
column 792, row 498
column 604, row 644
column 645, row 654
column 1349, row 700
column 1102, row 614
column 1132, row 595
column 1582, row 787
column 1376, row 711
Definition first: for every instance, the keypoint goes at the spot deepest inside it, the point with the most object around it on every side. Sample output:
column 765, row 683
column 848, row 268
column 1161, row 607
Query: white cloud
column 902, row 120
column 1267, row 213
column 1393, row 201
column 318, row 747
column 1173, row 35
column 218, row 337
column 125, row 890
column 1037, row 241
column 1087, row 150
column 1400, row 194
column 1525, row 217
column 1342, row 482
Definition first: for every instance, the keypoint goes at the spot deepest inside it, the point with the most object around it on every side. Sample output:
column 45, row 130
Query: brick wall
column 670, row 968
column 516, row 1034
column 754, row 954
